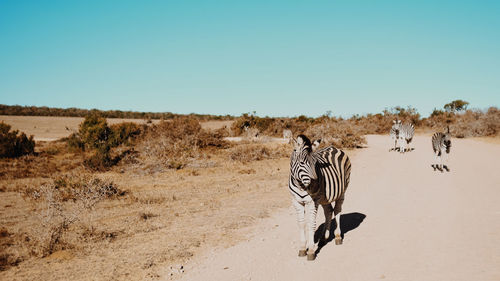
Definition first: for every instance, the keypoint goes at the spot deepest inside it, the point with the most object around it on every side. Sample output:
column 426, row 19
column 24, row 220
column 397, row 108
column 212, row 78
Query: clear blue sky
column 278, row 58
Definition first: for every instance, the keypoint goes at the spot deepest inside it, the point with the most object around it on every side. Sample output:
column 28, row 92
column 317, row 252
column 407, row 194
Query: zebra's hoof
column 302, row 253
column 311, row 257
column 338, row 240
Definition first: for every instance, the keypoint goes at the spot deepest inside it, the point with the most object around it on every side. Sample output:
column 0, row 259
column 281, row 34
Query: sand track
column 404, row 220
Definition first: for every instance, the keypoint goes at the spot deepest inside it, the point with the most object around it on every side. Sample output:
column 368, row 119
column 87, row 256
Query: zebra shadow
column 399, row 150
column 348, row 222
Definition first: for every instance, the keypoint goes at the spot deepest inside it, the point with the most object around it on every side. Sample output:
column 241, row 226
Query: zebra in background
column 394, row 133
column 406, row 134
column 287, row 135
column 441, row 144
column 317, row 177
column 251, row 133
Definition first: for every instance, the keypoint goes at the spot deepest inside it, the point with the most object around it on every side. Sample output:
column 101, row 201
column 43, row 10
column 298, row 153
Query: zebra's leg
column 337, row 210
column 440, row 158
column 328, row 210
column 311, row 209
column 446, row 158
column 436, row 161
column 300, row 210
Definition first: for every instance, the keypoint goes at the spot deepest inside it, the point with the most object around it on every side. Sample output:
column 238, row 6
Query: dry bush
column 270, row 126
column 439, row 119
column 476, row 123
column 59, row 205
column 381, row 123
column 254, row 152
column 174, row 144
column 339, row 133
column 7, row 258
column 471, row 123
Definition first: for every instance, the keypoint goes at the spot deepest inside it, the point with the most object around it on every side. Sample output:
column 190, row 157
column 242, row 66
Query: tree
column 455, row 106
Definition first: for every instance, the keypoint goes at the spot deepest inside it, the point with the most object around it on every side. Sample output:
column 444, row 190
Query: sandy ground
column 50, row 128
column 402, row 221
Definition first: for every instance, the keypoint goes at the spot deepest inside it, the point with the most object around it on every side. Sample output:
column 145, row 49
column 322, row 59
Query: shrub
column 100, row 160
column 470, row 123
column 123, row 133
column 94, row 131
column 13, row 145
column 340, row 133
column 270, row 126
column 75, row 143
column 475, row 123
column 59, row 205
column 94, row 134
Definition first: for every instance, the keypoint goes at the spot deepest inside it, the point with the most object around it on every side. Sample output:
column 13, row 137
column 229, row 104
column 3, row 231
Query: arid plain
column 226, row 219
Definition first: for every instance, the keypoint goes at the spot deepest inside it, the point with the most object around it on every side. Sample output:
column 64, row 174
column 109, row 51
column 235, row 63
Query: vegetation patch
column 14, row 144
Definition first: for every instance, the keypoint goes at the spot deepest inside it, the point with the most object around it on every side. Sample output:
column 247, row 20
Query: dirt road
column 402, row 221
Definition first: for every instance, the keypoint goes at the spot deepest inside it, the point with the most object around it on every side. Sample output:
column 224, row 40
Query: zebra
column 317, row 177
column 441, row 144
column 394, row 133
column 251, row 133
column 287, row 135
column 406, row 134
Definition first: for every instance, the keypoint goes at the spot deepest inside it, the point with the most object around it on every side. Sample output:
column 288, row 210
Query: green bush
column 75, row 143
column 94, row 131
column 122, row 133
column 13, row 145
column 95, row 135
column 101, row 159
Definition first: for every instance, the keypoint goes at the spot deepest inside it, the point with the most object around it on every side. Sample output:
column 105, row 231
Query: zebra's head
column 302, row 164
column 447, row 137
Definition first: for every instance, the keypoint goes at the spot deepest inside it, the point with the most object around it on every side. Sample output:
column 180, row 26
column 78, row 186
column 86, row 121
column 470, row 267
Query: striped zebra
column 394, row 133
column 317, row 177
column 405, row 137
column 441, row 144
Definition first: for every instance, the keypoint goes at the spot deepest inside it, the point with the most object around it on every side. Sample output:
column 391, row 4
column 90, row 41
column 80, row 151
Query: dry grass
column 248, row 152
column 173, row 209
column 61, row 216
column 50, row 159
column 57, row 227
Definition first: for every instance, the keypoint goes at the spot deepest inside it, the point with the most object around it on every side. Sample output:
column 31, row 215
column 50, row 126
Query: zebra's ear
column 295, row 143
column 316, row 144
